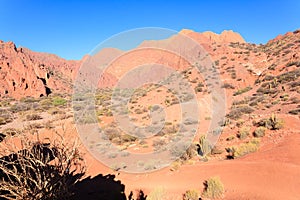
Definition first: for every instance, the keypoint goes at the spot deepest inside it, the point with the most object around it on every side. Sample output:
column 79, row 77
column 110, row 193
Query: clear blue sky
column 72, row 29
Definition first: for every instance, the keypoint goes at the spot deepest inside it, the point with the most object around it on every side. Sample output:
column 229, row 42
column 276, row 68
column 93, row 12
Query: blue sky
column 72, row 29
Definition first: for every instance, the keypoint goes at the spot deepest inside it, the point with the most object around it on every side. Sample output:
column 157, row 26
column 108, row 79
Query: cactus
column 205, row 147
column 275, row 123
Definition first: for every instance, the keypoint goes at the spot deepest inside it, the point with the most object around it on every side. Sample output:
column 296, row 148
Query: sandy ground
column 269, row 174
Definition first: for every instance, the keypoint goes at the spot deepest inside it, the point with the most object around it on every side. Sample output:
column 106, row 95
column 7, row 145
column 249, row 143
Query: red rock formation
column 26, row 73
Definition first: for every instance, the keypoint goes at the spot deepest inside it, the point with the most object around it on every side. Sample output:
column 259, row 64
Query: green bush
column 214, row 188
column 260, row 131
column 58, row 101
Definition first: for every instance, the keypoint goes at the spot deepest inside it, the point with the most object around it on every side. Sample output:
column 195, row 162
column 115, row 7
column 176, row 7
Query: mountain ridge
column 28, row 73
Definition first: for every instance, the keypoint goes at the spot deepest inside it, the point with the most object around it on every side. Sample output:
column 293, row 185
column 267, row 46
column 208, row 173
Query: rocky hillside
column 242, row 65
column 27, row 73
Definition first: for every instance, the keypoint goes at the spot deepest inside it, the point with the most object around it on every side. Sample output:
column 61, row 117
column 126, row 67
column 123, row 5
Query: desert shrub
column 294, row 84
column 288, row 76
column 245, row 148
column 28, row 100
column 291, row 63
column 272, row 123
column 5, row 116
column 58, row 101
column 56, row 111
column 240, row 122
column 175, row 165
column 40, row 171
column 294, row 100
column 241, row 91
column 241, row 102
column 294, row 112
column 48, row 125
column 216, row 150
column 199, row 87
column 112, row 133
column 32, row 117
column 268, row 78
column 139, row 111
column 11, row 131
column 244, row 132
column 213, row 188
column 18, row 107
column 191, row 195
column 85, row 118
column 260, row 131
column 128, row 138
column 228, row 86
column 169, row 129
column 158, row 144
column 237, row 112
column 158, row 193
column 275, row 123
column 4, row 103
column 104, row 112
column 207, row 118
column 2, row 121
column 230, row 138
column 189, row 153
column 45, row 103
column 233, row 75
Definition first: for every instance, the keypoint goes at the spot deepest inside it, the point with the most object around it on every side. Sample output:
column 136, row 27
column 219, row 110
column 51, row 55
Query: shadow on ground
column 99, row 187
column 23, row 164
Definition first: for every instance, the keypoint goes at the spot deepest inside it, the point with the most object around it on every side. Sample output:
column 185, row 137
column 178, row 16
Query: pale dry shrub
column 158, row 193
column 214, row 188
column 37, row 170
column 191, row 195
